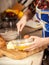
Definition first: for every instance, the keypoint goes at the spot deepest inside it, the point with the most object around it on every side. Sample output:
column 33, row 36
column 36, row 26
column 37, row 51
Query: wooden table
column 35, row 59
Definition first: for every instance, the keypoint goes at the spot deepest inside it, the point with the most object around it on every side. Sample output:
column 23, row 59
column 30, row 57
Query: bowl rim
column 26, row 43
column 6, row 34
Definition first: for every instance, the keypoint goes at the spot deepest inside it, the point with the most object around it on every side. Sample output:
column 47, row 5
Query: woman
column 38, row 42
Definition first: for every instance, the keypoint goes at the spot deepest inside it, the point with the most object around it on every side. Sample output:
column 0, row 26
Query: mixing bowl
column 19, row 44
column 9, row 34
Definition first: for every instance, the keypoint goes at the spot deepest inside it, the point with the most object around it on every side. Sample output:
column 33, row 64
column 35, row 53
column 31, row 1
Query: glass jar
column 8, row 26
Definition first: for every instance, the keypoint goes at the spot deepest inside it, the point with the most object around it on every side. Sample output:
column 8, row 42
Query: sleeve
column 32, row 7
column 32, row 10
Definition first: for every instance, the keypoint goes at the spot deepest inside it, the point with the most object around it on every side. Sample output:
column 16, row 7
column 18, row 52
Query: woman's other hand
column 21, row 23
column 38, row 42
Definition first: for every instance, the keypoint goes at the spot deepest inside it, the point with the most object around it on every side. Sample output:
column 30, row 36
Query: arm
column 27, row 16
column 46, row 40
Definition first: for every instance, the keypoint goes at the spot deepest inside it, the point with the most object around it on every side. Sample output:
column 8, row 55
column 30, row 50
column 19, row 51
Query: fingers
column 18, row 27
column 32, row 47
column 21, row 27
column 21, row 23
column 33, row 38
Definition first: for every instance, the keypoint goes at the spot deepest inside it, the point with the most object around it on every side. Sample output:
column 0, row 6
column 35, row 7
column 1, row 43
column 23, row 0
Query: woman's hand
column 38, row 42
column 21, row 23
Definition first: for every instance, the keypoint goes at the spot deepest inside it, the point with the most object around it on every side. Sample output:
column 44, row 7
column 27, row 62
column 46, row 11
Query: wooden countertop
column 35, row 59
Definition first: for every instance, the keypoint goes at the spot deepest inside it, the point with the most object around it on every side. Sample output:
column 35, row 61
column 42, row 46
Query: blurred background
column 4, row 4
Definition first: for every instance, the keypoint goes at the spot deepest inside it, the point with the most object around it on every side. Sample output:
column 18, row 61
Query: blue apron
column 44, row 17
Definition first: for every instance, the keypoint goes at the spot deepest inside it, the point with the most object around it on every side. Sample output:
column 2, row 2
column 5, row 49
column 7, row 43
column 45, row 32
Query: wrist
column 46, row 40
column 24, row 17
column 29, row 14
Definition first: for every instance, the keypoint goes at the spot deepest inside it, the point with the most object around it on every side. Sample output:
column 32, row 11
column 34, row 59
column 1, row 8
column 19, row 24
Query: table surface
column 35, row 59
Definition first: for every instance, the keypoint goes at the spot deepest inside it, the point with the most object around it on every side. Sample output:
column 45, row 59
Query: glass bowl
column 9, row 34
column 19, row 44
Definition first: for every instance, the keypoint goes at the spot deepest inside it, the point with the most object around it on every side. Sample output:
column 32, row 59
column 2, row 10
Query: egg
column 26, row 36
column 10, row 45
